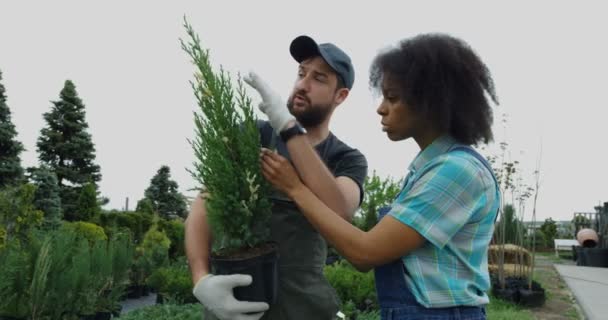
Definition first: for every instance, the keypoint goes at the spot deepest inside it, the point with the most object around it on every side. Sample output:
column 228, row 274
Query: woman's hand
column 279, row 172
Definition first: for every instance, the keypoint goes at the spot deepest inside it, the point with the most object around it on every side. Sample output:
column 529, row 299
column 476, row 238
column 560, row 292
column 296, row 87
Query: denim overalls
column 396, row 300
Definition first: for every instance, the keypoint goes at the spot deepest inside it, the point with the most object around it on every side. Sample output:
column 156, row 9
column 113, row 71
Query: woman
column 429, row 249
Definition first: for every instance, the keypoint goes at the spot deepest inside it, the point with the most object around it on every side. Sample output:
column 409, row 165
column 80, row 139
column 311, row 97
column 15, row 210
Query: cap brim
column 303, row 47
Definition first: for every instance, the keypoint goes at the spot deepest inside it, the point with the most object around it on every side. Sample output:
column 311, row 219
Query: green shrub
column 18, row 214
column 173, row 283
column 166, row 311
column 352, row 285
column 59, row 274
column 226, row 146
column 137, row 223
column 153, row 253
column 2, row 237
column 89, row 231
column 174, row 229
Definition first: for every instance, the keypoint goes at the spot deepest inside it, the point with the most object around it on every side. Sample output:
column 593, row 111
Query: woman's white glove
column 272, row 104
column 215, row 293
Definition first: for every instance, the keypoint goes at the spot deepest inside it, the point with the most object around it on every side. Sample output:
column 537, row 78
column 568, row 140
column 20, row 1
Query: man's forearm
column 316, row 176
column 197, row 239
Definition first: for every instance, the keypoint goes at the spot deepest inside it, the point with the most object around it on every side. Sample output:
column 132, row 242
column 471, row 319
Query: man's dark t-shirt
column 340, row 159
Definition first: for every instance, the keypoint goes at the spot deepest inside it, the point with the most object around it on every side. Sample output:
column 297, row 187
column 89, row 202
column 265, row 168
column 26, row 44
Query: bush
column 89, row 231
column 173, row 283
column 150, row 255
column 60, row 275
column 18, row 214
column 166, row 311
column 352, row 285
column 174, row 229
column 137, row 223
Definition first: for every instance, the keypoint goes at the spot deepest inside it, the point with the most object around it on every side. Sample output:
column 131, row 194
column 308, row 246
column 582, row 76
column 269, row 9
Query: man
column 333, row 170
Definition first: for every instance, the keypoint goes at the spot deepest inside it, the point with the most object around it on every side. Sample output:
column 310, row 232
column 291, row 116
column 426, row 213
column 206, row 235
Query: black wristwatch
column 289, row 133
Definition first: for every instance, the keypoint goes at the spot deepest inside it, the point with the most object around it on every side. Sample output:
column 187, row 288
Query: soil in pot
column 261, row 263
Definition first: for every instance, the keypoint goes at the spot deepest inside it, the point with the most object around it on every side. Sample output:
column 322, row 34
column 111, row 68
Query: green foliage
column 150, row 255
column 11, row 171
column 18, row 214
column 145, row 205
column 47, row 197
column 502, row 310
column 87, row 204
column 226, row 148
column 378, row 193
column 549, row 230
column 352, row 285
column 166, row 311
column 163, row 196
column 89, row 231
column 137, row 223
column 16, row 266
column 65, row 146
column 60, row 275
column 513, row 227
column 173, row 283
column 174, row 229
column 2, row 237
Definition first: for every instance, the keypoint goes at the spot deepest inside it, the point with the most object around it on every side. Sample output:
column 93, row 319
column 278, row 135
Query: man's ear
column 341, row 95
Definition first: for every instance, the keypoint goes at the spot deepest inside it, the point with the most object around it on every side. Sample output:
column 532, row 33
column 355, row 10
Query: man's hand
column 279, row 172
column 272, row 103
column 215, row 293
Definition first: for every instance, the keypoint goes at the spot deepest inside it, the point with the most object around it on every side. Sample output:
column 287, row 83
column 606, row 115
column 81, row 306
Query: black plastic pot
column 10, row 318
column 512, row 290
column 263, row 270
column 145, row 291
column 506, row 294
column 160, row 298
column 87, row 317
column 103, row 316
column 116, row 312
column 532, row 298
column 592, row 257
column 134, row 292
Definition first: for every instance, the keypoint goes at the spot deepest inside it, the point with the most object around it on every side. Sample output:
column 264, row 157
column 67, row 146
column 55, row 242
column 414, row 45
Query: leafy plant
column 18, row 214
column 352, row 285
column 166, row 311
column 173, row 283
column 378, row 193
column 226, row 147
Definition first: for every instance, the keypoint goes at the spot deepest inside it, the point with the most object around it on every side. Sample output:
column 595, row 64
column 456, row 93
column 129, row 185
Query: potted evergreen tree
column 227, row 146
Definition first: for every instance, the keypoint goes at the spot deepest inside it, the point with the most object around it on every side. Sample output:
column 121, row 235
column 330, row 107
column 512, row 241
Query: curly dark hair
column 442, row 79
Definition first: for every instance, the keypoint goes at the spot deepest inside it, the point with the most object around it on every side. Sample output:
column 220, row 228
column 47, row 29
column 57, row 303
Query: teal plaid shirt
column 451, row 199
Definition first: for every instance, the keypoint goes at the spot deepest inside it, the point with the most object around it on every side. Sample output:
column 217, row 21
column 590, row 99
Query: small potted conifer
column 227, row 147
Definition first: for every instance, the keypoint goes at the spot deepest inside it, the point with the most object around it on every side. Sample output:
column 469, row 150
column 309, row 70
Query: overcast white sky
column 548, row 59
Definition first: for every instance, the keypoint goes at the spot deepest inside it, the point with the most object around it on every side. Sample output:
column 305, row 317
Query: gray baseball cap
column 304, row 47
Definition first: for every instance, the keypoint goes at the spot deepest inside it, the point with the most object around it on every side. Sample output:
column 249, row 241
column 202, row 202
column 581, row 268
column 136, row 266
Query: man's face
column 314, row 96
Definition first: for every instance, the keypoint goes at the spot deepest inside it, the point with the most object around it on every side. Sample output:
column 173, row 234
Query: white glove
column 215, row 293
column 272, row 105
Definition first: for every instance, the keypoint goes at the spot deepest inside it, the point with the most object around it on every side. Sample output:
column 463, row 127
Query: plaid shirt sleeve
column 442, row 198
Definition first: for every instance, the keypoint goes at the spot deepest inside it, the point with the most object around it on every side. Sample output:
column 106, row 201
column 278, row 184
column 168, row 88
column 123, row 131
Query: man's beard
column 313, row 115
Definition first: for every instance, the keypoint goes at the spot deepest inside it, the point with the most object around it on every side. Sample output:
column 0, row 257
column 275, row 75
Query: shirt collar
column 438, row 147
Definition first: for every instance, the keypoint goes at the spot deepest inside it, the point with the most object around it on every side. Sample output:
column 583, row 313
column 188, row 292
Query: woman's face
column 398, row 119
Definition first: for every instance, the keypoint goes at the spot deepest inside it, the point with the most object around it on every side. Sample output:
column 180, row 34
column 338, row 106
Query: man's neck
column 318, row 133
